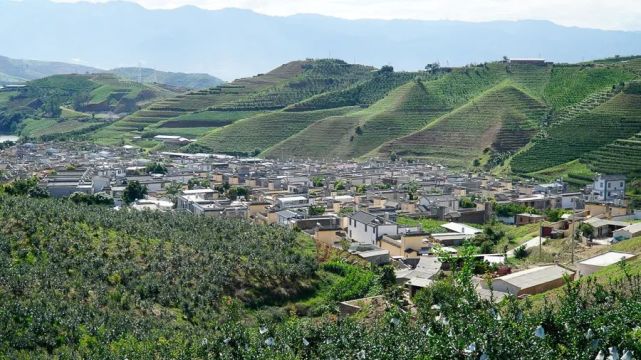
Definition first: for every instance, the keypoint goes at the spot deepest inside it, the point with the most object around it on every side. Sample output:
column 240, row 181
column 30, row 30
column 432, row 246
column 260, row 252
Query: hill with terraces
column 534, row 119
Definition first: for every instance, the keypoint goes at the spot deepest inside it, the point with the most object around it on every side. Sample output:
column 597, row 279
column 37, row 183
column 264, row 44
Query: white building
column 588, row 266
column 461, row 228
column 367, row 228
column 609, row 187
column 627, row 232
column 292, row 202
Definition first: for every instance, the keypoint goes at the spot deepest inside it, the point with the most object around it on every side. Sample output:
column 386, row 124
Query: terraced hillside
column 623, row 156
column 363, row 93
column 503, row 118
column 404, row 110
column 285, row 85
column 257, row 133
column 617, row 118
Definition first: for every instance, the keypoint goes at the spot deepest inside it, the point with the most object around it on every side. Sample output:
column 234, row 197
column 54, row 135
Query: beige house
column 605, row 210
column 405, row 245
column 532, row 281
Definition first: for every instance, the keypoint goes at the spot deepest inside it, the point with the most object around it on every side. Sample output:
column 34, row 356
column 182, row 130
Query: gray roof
column 535, row 276
column 363, row 217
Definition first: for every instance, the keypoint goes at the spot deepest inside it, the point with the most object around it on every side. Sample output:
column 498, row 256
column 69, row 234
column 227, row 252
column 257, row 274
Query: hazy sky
column 602, row 14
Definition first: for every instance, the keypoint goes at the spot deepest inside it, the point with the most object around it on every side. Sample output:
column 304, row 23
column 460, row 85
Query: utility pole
column 540, row 241
column 572, row 236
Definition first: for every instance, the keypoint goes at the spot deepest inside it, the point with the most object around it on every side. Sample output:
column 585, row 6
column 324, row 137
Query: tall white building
column 609, row 187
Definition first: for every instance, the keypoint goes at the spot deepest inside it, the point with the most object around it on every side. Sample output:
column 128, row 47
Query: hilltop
column 175, row 79
column 18, row 70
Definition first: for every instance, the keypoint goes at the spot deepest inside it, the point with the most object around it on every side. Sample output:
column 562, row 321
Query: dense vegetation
column 74, row 273
column 89, row 282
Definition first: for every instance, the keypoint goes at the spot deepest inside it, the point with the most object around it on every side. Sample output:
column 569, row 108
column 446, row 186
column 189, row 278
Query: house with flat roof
column 532, row 281
column 596, row 263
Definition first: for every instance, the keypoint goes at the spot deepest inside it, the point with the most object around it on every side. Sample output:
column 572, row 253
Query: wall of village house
column 367, row 234
column 327, row 237
column 393, row 249
column 606, row 210
column 542, row 287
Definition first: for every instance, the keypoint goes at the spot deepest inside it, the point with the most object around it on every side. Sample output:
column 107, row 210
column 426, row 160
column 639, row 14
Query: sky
column 599, row 14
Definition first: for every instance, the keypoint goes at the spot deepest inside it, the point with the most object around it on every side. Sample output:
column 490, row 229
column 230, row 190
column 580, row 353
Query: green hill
column 175, row 79
column 617, row 118
column 285, row 85
column 69, row 103
column 502, row 119
column 352, row 135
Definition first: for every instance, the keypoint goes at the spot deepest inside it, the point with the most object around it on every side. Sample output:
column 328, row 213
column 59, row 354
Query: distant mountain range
column 14, row 70
column 234, row 43
column 17, row 70
column 179, row 80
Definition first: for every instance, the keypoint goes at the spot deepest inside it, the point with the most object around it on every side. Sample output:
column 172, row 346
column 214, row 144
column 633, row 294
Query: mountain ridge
column 256, row 43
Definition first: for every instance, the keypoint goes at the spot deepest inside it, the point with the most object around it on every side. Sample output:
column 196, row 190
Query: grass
column 574, row 173
column 34, row 126
column 623, row 156
column 570, row 84
column 630, row 246
column 42, row 127
column 68, row 113
column 429, row 225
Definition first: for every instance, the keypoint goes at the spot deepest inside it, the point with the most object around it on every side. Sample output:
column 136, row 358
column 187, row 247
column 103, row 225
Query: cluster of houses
column 350, row 205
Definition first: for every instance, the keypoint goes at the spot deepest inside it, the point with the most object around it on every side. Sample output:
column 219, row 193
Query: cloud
column 601, row 14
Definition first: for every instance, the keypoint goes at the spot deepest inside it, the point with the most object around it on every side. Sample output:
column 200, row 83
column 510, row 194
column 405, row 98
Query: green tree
column 134, row 191
column 318, row 181
column 466, row 202
column 236, row 192
column 196, row 182
column 156, row 168
column 586, row 230
column 316, row 210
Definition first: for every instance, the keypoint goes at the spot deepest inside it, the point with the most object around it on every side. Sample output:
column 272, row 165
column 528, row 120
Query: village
column 532, row 237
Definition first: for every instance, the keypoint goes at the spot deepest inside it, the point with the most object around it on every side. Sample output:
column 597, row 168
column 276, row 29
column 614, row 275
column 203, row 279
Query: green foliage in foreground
column 88, row 282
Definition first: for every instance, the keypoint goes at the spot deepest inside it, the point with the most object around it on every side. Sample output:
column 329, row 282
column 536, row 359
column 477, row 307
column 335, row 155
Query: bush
column 521, row 252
